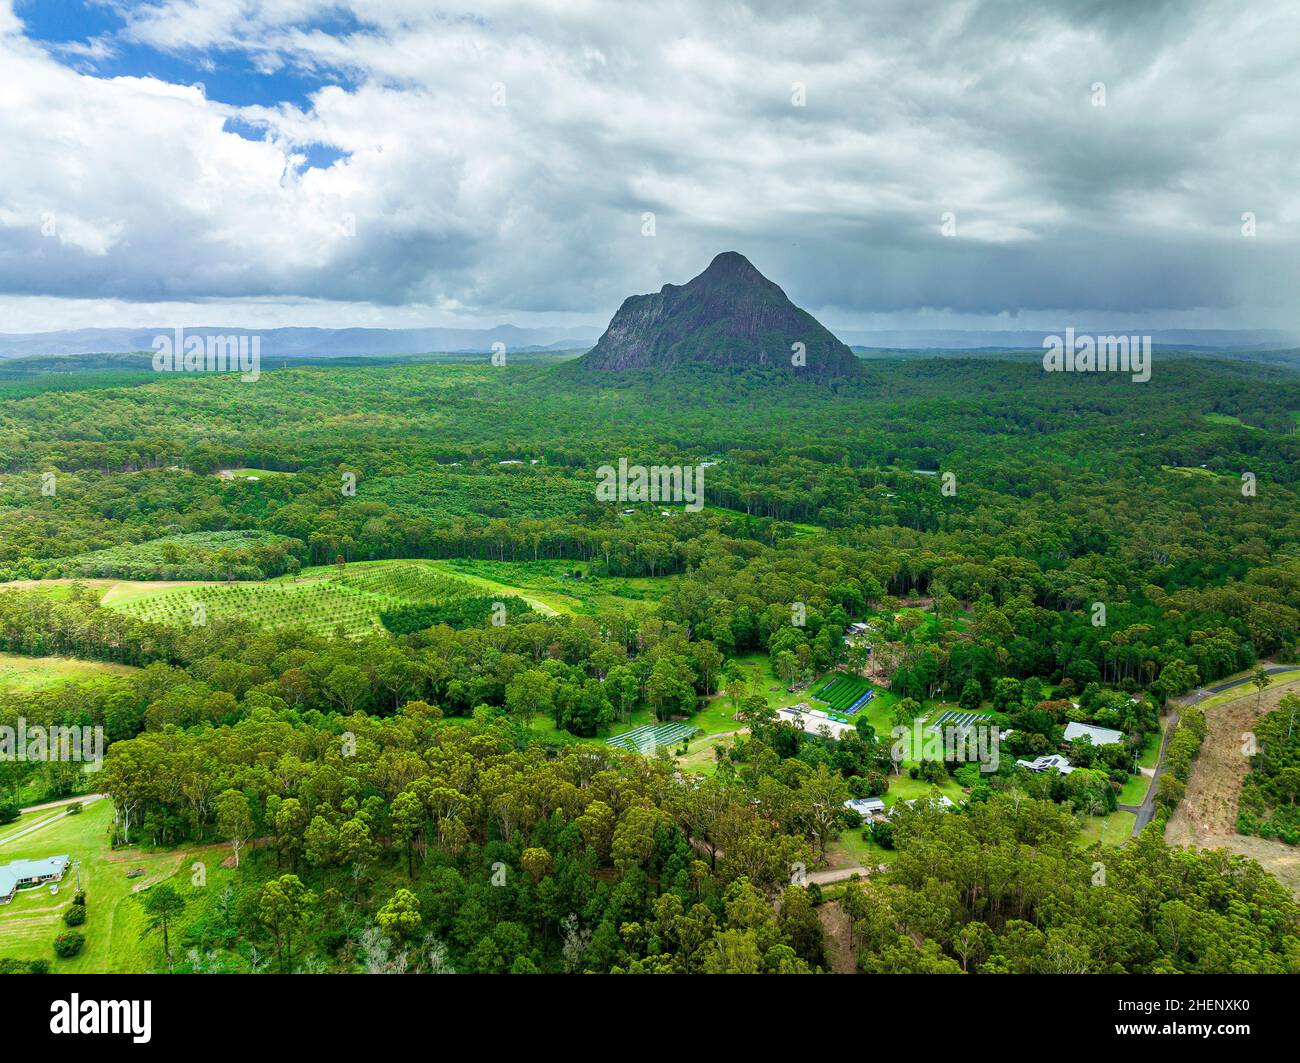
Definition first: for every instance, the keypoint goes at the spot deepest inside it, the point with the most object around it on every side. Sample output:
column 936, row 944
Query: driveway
column 840, row 874
column 1146, row 811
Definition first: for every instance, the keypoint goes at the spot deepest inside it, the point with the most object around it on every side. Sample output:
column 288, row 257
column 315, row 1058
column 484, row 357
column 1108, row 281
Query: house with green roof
column 14, row 876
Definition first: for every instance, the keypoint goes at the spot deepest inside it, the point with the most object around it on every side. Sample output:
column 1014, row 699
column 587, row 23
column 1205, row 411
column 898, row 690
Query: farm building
column 812, row 721
column 19, row 873
column 1101, row 736
column 866, row 806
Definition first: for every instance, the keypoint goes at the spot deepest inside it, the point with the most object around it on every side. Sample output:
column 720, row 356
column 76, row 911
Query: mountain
column 1026, row 339
column 314, row 343
column 730, row 315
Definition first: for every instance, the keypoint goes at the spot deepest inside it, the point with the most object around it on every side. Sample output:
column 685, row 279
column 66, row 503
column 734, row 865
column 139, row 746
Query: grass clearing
column 1135, row 790
column 115, row 918
column 1228, row 419
column 19, row 673
column 1188, row 470
column 852, row 849
column 903, row 788
column 1112, row 830
column 562, row 586
column 256, row 474
column 1151, row 748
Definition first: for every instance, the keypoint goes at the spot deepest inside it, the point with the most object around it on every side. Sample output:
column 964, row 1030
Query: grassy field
column 1224, row 418
column 321, row 599
column 799, row 529
column 37, row 673
column 1114, row 829
column 549, row 586
column 1151, row 748
column 1135, row 790
column 244, row 474
column 759, row 676
column 115, row 919
column 1187, row 470
column 852, row 848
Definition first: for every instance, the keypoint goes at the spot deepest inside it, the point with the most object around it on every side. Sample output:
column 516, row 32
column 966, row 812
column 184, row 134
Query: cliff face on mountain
column 729, row 316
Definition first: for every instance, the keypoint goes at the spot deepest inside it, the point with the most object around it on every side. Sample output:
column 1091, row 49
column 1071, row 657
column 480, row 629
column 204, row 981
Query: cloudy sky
column 410, row 162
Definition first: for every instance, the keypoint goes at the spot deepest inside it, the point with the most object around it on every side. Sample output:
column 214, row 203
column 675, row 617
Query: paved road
column 1204, row 692
column 63, row 801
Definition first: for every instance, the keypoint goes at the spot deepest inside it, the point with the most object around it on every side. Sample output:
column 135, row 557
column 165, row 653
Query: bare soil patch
column 835, row 938
column 1207, row 815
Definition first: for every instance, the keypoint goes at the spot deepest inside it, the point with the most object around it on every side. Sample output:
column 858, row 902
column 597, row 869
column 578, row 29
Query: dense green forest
column 433, row 794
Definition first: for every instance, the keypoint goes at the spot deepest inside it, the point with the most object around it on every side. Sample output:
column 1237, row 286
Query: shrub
column 24, row 966
column 69, row 943
column 75, row 915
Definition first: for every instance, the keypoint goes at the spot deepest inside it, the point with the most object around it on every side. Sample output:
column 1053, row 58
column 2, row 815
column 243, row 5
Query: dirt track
column 1207, row 815
column 840, row 958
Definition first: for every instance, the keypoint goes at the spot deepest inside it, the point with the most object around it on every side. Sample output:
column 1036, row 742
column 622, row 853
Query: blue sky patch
column 229, row 75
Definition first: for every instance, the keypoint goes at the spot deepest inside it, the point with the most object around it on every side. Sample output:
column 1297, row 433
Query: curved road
column 1204, row 692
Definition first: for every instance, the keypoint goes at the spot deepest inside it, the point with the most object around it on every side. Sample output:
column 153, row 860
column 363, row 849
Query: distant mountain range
column 970, row 339
column 730, row 316
column 319, row 344
column 306, row 343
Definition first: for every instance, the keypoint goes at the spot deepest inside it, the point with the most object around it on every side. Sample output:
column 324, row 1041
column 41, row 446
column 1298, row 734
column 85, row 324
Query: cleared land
column 1114, row 829
column 37, row 673
column 560, row 586
column 1207, row 815
column 115, row 918
column 845, row 694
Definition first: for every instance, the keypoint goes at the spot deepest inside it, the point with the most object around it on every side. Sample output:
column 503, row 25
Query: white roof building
column 811, row 721
column 1101, row 736
column 1051, row 760
column 865, row 806
column 30, row 872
